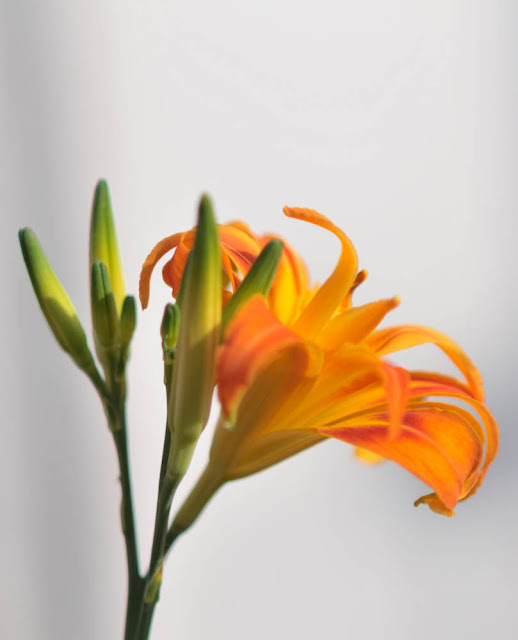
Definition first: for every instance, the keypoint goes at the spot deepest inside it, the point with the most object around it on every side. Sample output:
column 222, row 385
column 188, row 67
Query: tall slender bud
column 258, row 280
column 104, row 316
column 194, row 371
column 57, row 307
column 103, row 241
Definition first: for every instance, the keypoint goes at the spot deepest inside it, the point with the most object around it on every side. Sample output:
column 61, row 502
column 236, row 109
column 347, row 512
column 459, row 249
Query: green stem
column 128, row 529
column 154, row 576
column 117, row 417
column 208, row 484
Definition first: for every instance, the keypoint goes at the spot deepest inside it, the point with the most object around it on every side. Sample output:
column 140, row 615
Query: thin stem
column 208, row 484
column 128, row 529
column 154, row 576
column 117, row 417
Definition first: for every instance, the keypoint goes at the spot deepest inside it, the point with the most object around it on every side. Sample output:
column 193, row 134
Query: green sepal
column 258, row 280
column 57, row 307
column 105, row 319
column 194, row 371
column 153, row 588
column 103, row 242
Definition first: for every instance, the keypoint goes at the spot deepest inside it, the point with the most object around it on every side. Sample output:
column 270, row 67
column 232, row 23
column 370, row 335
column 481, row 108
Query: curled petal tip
column 435, row 504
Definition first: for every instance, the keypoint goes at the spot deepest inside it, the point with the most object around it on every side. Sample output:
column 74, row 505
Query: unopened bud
column 104, row 315
column 194, row 371
column 57, row 307
column 128, row 321
column 103, row 241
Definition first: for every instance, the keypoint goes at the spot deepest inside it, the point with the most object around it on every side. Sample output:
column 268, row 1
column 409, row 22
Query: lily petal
column 356, row 324
column 158, row 251
column 402, row 337
column 436, row 445
column 254, row 338
column 330, row 295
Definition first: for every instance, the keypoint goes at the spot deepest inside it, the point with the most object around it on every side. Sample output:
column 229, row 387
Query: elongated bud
column 194, row 370
column 103, row 242
column 169, row 332
column 57, row 307
column 258, row 280
column 170, row 327
column 128, row 321
column 104, row 315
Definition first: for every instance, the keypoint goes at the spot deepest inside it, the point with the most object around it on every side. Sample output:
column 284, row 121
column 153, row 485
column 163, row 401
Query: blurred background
column 398, row 121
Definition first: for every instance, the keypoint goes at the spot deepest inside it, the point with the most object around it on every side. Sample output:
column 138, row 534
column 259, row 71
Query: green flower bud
column 103, row 242
column 170, row 327
column 57, row 307
column 128, row 321
column 104, row 316
column 194, row 371
column 258, row 280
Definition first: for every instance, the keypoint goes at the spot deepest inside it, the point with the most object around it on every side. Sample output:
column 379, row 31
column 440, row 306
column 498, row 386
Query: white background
column 397, row 120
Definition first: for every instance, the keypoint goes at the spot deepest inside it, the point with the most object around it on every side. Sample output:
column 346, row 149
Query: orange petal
column 154, row 256
column 398, row 391
column 253, row 339
column 393, row 339
column 328, row 298
column 424, row 383
column 356, row 324
column 435, row 504
column 436, row 445
column 290, row 290
column 172, row 272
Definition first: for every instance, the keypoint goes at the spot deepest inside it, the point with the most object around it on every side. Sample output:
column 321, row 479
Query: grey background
column 397, row 120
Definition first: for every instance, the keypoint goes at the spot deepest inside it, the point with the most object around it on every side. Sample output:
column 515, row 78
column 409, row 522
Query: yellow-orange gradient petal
column 290, row 291
column 253, row 339
column 393, row 339
column 355, row 324
column 331, row 294
column 436, row 445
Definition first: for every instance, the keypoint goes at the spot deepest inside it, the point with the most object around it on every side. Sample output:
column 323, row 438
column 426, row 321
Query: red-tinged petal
column 435, row 504
column 158, row 251
column 330, row 295
column 172, row 271
column 240, row 247
column 355, row 324
column 438, row 446
column 393, row 339
column 253, row 339
column 398, row 391
column 424, row 383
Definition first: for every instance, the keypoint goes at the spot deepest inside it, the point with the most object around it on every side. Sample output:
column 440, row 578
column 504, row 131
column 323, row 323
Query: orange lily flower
column 239, row 250
column 286, row 385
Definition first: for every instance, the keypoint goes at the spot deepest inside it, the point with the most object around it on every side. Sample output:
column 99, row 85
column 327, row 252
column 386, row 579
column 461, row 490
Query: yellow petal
column 328, row 298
